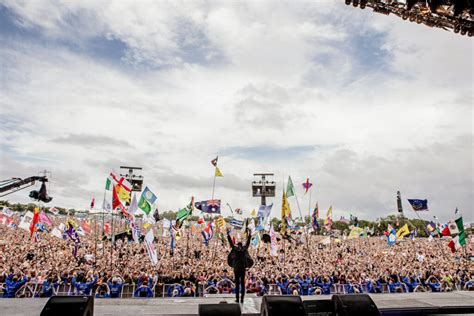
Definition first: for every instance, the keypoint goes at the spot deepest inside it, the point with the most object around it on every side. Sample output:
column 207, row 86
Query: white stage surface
column 251, row 306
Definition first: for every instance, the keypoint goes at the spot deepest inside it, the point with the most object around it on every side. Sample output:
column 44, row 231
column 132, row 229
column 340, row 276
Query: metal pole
column 112, row 239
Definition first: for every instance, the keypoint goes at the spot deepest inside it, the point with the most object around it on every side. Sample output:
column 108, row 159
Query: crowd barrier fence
column 32, row 289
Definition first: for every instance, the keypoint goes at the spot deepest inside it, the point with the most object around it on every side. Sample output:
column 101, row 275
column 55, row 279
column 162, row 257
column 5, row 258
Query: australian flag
column 418, row 205
column 209, row 206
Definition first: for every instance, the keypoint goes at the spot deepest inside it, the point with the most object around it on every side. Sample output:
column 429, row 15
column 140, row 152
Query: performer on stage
column 239, row 259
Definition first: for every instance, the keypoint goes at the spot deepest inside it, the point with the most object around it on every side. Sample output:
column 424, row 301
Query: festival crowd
column 300, row 267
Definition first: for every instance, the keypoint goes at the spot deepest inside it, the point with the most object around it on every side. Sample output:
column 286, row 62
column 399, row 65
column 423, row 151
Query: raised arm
column 247, row 244
column 229, row 239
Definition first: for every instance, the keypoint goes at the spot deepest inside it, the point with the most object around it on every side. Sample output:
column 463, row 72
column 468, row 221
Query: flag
column 133, row 205
column 207, row 233
column 218, row 172
column 462, row 234
column 172, row 239
column 418, row 205
column 209, row 206
column 8, row 212
column 92, row 203
column 184, row 213
column 54, row 210
column 71, row 231
column 431, row 228
column 273, row 243
column 392, row 237
column 327, row 221
column 285, row 213
column 356, row 232
column 307, row 185
column 34, row 221
column 214, row 161
column 146, row 200
column 122, row 186
column 402, row 232
column 123, row 194
column 43, row 218
column 316, row 211
column 156, row 215
column 264, row 211
column 108, row 184
column 255, row 241
column 150, row 247
column 220, row 222
column 290, row 189
column 86, row 227
column 456, row 229
column 115, row 199
column 455, row 244
column 253, row 213
column 236, row 223
column 314, row 221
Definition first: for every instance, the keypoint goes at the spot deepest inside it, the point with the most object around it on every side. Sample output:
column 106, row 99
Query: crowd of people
column 192, row 268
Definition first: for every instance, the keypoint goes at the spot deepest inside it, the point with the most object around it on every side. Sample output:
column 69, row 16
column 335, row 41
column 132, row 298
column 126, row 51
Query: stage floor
column 251, row 306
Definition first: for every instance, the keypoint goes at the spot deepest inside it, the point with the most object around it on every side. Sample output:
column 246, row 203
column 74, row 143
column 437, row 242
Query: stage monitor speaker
column 69, row 305
column 219, row 309
column 320, row 307
column 276, row 305
column 354, row 304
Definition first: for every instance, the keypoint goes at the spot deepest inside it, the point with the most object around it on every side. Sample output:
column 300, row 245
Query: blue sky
column 362, row 104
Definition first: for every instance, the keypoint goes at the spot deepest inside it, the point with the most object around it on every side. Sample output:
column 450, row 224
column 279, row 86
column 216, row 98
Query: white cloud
column 390, row 110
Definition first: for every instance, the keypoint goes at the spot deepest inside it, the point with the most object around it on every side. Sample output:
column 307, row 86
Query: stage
column 251, row 306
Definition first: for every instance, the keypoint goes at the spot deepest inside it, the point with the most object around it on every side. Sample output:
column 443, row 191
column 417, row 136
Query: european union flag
column 419, row 205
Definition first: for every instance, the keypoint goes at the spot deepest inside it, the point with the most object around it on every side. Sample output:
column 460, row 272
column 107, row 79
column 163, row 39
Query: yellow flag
column 220, row 222
column 355, row 232
column 218, row 172
column 285, row 213
column 123, row 194
column 403, row 232
column 328, row 219
column 253, row 213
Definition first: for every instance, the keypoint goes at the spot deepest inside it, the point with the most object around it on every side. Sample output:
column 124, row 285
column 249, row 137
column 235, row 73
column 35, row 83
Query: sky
column 360, row 103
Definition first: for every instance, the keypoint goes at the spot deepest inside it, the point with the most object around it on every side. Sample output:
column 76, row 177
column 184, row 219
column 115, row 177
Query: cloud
column 90, row 140
column 362, row 104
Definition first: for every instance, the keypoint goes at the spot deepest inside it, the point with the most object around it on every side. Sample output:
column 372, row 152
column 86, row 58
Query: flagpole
column 213, row 186
column 111, row 239
column 103, row 222
column 309, row 207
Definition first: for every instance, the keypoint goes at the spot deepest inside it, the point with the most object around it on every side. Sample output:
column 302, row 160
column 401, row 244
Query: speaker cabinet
column 276, row 305
column 69, row 305
column 354, row 304
column 219, row 309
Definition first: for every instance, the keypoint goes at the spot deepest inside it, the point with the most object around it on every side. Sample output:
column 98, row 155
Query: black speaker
column 320, row 307
column 219, row 309
column 275, row 305
column 354, row 304
column 69, row 305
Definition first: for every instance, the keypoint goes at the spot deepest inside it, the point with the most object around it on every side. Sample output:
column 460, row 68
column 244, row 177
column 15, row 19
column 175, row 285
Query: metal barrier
column 2, row 288
column 127, row 291
column 31, row 290
column 274, row 289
